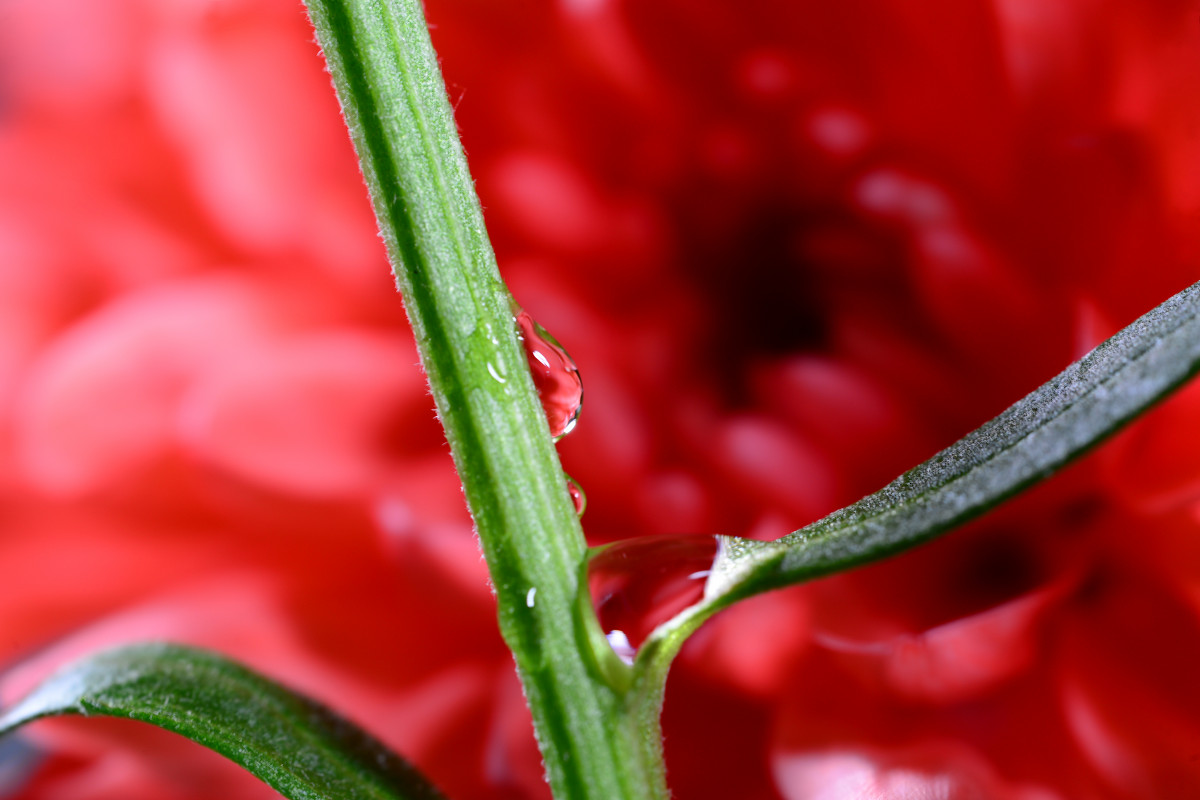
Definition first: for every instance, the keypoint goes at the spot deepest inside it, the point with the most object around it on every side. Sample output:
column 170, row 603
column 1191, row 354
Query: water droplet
column 496, row 373
column 554, row 374
column 531, row 597
column 638, row 584
column 577, row 495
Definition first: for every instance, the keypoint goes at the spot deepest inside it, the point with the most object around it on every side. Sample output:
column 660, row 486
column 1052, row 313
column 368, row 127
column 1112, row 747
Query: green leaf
column 1064, row 418
column 294, row 744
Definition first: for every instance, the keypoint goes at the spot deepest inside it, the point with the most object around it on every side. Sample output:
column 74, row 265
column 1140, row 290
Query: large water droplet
column 638, row 584
column 577, row 495
column 554, row 374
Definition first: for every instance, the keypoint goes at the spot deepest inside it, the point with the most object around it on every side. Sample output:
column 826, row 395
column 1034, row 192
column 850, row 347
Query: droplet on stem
column 638, row 584
column 554, row 374
column 577, row 495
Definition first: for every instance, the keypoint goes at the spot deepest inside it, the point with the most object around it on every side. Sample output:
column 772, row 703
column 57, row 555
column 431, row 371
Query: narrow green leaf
column 294, row 744
column 1064, row 418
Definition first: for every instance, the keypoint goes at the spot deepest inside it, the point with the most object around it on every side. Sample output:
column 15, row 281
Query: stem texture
column 395, row 105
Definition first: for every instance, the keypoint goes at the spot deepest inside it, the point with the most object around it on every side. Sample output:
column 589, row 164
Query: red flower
column 794, row 248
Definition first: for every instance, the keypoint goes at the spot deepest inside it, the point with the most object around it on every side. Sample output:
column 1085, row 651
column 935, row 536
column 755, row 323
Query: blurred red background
column 795, row 247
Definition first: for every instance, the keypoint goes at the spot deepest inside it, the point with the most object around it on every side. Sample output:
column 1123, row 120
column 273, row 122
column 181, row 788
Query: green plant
column 597, row 717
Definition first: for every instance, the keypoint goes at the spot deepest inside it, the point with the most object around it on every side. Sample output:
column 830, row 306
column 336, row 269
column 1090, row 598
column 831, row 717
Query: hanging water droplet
column 638, row 584
column 554, row 374
column 577, row 495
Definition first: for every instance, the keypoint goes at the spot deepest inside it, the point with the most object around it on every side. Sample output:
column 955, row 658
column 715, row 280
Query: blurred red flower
column 794, row 247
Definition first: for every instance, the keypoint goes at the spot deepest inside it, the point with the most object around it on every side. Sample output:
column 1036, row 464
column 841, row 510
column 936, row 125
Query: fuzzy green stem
column 394, row 101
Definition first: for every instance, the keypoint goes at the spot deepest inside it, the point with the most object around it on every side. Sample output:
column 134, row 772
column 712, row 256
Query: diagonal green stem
column 394, row 101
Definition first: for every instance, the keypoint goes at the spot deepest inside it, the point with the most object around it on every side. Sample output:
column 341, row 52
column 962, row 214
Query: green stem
column 394, row 101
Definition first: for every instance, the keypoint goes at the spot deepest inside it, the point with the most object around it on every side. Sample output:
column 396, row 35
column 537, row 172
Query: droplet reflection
column 554, row 374
column 577, row 495
column 638, row 584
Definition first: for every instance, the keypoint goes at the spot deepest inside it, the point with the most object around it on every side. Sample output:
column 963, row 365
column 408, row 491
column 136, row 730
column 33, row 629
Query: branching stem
column 403, row 128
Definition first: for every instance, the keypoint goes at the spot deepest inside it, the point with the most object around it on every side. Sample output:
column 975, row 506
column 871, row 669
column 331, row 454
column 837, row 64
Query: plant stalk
column 395, row 105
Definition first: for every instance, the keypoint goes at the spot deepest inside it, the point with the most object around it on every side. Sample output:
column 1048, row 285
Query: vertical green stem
column 395, row 105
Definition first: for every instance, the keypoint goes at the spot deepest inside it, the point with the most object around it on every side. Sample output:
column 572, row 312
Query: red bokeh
column 794, row 247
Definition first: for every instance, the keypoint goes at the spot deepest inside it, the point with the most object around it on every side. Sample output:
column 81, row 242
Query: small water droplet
column 638, row 584
column 531, row 597
column 577, row 495
column 554, row 374
column 495, row 373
